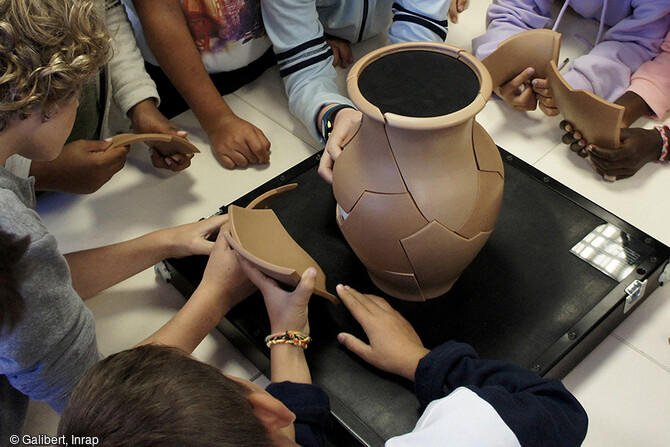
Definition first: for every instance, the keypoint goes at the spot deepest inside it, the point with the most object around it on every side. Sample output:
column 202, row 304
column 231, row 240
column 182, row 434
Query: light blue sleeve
column 305, row 60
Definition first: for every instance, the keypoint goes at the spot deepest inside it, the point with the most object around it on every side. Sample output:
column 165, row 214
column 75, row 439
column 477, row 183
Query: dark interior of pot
column 418, row 83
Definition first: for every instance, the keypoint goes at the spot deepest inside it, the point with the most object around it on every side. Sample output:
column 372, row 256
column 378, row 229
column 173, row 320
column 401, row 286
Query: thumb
column 307, row 282
column 355, row 345
column 101, row 145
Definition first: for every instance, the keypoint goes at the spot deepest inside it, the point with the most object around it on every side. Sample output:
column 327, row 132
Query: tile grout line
column 255, row 376
column 644, row 354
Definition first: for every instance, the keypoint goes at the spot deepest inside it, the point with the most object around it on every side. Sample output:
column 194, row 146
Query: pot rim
column 421, row 123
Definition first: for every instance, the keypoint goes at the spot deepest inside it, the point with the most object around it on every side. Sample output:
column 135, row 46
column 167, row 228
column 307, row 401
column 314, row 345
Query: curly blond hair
column 48, row 48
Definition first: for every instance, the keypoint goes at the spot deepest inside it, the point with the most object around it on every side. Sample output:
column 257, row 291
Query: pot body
column 420, row 183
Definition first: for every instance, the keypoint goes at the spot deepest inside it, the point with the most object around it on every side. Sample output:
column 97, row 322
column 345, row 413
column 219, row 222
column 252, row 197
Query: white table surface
column 624, row 384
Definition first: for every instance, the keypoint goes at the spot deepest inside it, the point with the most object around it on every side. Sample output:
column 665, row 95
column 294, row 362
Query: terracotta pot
column 419, row 185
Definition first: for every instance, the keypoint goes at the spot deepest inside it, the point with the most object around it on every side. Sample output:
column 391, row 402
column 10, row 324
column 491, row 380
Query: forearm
column 296, row 28
column 635, row 107
column 130, row 81
column 170, row 41
column 96, row 269
column 44, row 180
column 197, row 318
column 288, row 364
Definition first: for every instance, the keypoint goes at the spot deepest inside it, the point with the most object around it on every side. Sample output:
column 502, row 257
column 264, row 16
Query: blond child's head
column 48, row 48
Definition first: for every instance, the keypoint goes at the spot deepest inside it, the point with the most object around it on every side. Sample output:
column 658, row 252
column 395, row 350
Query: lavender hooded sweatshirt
column 631, row 33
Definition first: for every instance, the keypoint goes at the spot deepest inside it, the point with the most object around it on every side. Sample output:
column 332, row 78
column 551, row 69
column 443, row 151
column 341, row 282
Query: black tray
column 526, row 298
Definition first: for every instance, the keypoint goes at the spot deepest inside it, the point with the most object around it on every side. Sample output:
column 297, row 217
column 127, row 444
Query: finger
column 453, row 12
column 348, row 56
column 336, row 56
column 326, row 167
column 548, row 110
column 526, row 100
column 212, row 225
column 579, row 147
column 181, row 161
column 606, row 155
column 226, row 161
column 261, row 147
column 307, row 282
column 354, row 302
column 158, row 160
column 249, row 147
column 541, row 84
column 372, row 303
column 380, row 302
column 241, row 159
column 264, row 283
column 566, row 126
column 568, row 138
column 104, row 144
column 363, row 350
column 521, row 79
column 115, row 154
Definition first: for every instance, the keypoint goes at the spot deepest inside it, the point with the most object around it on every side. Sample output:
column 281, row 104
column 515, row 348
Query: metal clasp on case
column 634, row 292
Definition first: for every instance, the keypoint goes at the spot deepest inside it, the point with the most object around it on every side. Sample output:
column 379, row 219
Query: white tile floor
column 624, row 383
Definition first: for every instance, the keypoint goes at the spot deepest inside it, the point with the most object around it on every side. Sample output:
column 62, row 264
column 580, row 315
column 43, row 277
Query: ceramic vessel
column 420, row 183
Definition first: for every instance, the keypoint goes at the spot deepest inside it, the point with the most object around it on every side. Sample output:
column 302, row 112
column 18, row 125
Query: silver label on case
column 611, row 250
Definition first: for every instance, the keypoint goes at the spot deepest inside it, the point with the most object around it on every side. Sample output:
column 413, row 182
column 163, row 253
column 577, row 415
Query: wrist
column 408, row 371
column 280, row 328
column 145, row 106
column 213, row 119
column 327, row 118
column 293, row 338
column 162, row 242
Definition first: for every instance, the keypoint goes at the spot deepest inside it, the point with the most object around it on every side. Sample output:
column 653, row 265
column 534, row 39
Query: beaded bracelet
column 664, row 137
column 295, row 338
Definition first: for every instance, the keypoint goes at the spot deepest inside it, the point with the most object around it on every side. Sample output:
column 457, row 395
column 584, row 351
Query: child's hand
column 342, row 54
column 288, row 311
column 545, row 97
column 455, row 8
column 394, row 345
column 638, row 147
column 236, row 142
column 573, row 139
column 346, row 123
column 223, row 277
column 191, row 239
column 81, row 168
column 518, row 92
column 146, row 118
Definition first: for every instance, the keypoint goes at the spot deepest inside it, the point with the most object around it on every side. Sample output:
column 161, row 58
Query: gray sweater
column 54, row 344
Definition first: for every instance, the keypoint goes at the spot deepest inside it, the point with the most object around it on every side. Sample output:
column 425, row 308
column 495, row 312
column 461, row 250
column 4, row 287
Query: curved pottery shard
column 598, row 121
column 177, row 145
column 259, row 237
column 533, row 48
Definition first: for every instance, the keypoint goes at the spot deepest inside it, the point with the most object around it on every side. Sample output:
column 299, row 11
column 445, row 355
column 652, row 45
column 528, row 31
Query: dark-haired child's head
column 159, row 396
